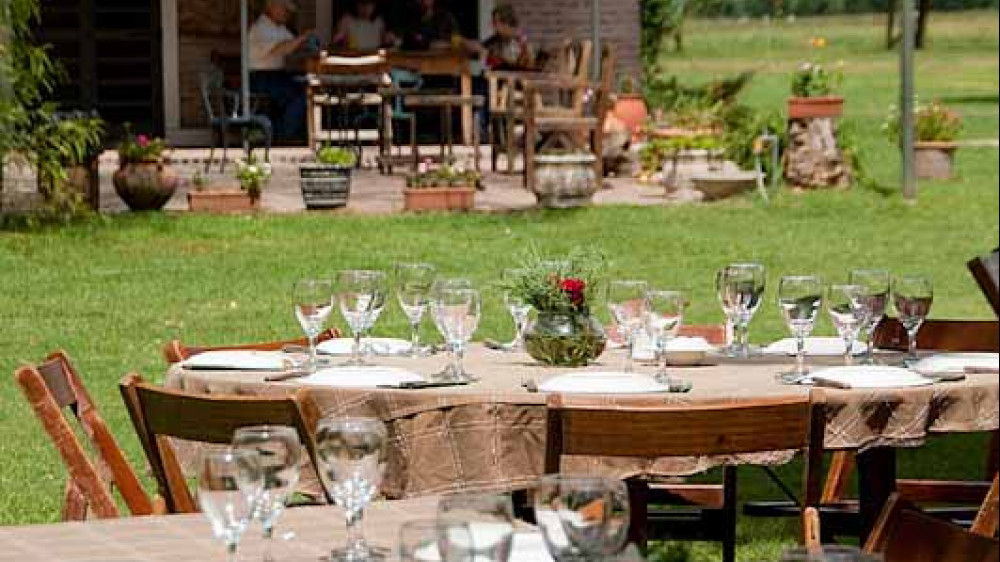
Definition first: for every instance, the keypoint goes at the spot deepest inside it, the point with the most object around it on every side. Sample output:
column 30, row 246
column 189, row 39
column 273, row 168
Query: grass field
column 111, row 291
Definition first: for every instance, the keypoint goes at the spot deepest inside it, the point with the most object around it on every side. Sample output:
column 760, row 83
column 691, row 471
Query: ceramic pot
column 818, row 106
column 934, row 160
column 631, row 110
column 145, row 185
column 566, row 340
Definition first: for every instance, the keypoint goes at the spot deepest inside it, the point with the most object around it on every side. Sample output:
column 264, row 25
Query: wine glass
column 313, row 300
column 490, row 520
column 626, row 301
column 728, row 312
column 799, row 297
column 229, row 485
column 413, row 286
column 428, row 540
column 361, row 295
column 846, row 306
column 741, row 287
column 456, row 314
column 664, row 315
column 876, row 284
column 351, row 453
column 280, row 452
column 912, row 296
column 573, row 514
column 518, row 309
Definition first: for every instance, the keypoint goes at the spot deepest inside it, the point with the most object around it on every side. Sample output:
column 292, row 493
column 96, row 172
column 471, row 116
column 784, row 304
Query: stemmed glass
column 518, row 309
column 490, row 520
column 280, row 452
column 876, row 299
column 351, row 453
column 456, row 314
column 581, row 518
column 664, row 315
column 313, row 300
column 229, row 485
column 912, row 296
column 413, row 286
column 626, row 301
column 846, row 306
column 361, row 296
column 428, row 540
column 799, row 297
column 741, row 287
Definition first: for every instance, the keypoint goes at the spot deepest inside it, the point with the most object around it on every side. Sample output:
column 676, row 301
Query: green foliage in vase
column 561, row 286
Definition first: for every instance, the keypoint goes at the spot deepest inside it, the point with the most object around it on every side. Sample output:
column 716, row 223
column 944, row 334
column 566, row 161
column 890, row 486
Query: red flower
column 574, row 289
column 142, row 140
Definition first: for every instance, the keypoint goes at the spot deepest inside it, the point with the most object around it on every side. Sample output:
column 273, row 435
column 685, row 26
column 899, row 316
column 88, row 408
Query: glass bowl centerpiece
column 564, row 333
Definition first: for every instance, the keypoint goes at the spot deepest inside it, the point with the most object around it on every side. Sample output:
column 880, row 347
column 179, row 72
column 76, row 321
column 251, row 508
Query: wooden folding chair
column 174, row 351
column 159, row 414
column 904, row 533
column 650, row 430
column 984, row 270
column 53, row 387
column 986, row 520
column 941, row 335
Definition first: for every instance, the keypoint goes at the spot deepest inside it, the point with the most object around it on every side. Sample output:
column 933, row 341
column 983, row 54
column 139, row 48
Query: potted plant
column 327, row 183
column 630, row 106
column 78, row 162
column 935, row 128
column 813, row 92
column 252, row 176
column 144, row 180
column 565, row 332
column 446, row 188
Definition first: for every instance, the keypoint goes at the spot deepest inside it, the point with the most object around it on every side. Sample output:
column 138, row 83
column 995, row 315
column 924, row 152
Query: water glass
column 351, row 456
column 518, row 309
column 490, row 521
column 627, row 303
column 741, row 287
column 229, row 486
column 799, row 297
column 846, row 306
column 456, row 314
column 428, row 540
column 664, row 315
column 280, row 454
column 313, row 300
column 413, row 286
column 361, row 295
column 574, row 515
column 876, row 287
column 912, row 296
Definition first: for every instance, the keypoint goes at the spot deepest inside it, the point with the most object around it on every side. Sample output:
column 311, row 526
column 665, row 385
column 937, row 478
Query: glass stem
column 356, row 348
column 312, row 354
column 661, row 348
column 231, row 551
column 629, row 343
column 744, row 340
column 519, row 325
column 355, row 532
column 911, row 344
column 268, row 541
column 800, row 354
column 457, row 357
column 414, row 339
column 848, row 348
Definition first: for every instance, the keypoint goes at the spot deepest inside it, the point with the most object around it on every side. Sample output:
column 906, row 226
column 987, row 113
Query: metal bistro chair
column 223, row 109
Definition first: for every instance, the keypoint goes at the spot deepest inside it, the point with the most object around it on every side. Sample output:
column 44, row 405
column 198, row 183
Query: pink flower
column 142, row 140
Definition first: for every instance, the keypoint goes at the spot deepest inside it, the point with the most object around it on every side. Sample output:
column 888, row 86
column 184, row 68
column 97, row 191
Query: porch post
column 906, row 101
column 595, row 31
column 244, row 58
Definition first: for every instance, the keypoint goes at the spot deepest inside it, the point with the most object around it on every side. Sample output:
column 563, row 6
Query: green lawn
column 111, row 291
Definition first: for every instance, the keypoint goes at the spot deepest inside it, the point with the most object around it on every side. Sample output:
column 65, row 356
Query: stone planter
column 719, row 185
column 325, row 186
column 632, row 111
column 564, row 181
column 934, row 160
column 145, row 185
column 819, row 106
column 455, row 198
column 222, row 201
column 564, row 340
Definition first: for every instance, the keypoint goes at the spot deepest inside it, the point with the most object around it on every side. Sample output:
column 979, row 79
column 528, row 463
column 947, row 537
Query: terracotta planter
column 819, row 106
column 934, row 160
column 632, row 111
column 455, row 198
column 145, row 185
column 222, row 201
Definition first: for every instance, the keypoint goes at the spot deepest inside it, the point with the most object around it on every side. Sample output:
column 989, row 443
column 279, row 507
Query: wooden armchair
column 54, row 386
column 174, row 351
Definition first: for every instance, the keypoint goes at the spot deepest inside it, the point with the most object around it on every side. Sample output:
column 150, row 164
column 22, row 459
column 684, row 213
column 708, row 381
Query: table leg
column 310, row 117
column 876, row 482
column 448, row 133
column 465, row 88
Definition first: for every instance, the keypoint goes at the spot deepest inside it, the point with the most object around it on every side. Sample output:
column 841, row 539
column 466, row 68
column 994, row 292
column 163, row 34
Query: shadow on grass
column 980, row 98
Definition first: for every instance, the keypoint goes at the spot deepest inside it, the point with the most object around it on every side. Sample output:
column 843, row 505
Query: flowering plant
column 446, row 175
column 557, row 286
column 813, row 79
column 139, row 147
column 932, row 122
column 253, row 175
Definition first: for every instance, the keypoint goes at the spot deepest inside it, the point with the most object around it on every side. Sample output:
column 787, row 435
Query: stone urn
column 564, row 181
column 934, row 160
column 565, row 340
column 145, row 185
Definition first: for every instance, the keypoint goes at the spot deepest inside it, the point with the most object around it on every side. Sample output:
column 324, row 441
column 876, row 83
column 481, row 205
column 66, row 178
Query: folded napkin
column 945, row 363
column 603, row 382
column 866, row 376
column 361, row 377
column 380, row 346
column 238, row 359
column 814, row 346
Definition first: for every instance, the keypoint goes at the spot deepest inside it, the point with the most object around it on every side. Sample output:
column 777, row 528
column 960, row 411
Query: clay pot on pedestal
column 631, row 109
column 816, row 106
column 934, row 160
column 145, row 185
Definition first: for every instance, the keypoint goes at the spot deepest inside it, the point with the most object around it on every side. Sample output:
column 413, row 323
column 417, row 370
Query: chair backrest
column 984, row 269
column 54, row 387
column 903, row 533
column 174, row 351
column 213, row 94
column 941, row 335
column 986, row 520
column 159, row 414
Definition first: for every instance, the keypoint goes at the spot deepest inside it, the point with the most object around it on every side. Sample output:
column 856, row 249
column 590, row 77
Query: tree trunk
column 813, row 159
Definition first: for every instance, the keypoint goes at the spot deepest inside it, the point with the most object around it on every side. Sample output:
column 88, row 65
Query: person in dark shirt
column 436, row 29
column 507, row 48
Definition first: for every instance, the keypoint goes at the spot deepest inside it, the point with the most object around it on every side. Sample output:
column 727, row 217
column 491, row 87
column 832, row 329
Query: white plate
column 868, row 376
column 682, row 350
column 236, row 359
column 818, row 346
column 603, row 382
column 942, row 363
column 360, row 377
column 380, row 346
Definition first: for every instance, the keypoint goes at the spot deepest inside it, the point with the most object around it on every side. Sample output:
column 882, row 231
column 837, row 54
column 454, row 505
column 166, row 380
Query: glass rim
column 798, row 277
column 266, row 429
column 229, row 453
column 337, row 420
column 743, row 265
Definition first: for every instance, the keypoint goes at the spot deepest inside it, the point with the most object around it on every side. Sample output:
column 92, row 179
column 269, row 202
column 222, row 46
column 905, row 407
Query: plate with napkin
column 379, row 346
column 955, row 363
column 816, row 346
column 603, row 382
column 866, row 376
column 238, row 360
column 681, row 350
column 362, row 377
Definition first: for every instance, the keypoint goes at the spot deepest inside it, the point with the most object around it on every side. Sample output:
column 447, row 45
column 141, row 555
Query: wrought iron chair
column 223, row 108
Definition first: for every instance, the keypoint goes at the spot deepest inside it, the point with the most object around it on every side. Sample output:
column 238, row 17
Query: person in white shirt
column 270, row 42
column 362, row 29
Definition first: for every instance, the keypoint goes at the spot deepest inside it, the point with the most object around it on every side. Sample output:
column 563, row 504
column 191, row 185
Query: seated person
column 270, row 42
column 435, row 29
column 362, row 29
column 507, row 48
